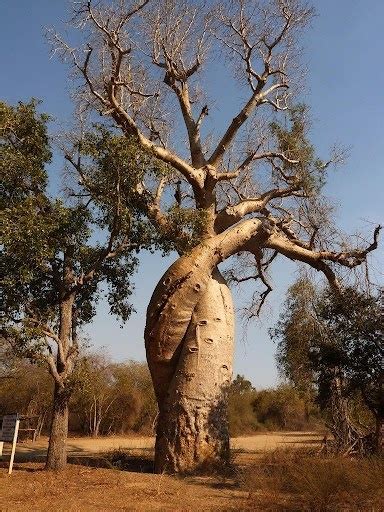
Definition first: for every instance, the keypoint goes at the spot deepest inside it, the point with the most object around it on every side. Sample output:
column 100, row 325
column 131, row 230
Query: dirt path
column 255, row 443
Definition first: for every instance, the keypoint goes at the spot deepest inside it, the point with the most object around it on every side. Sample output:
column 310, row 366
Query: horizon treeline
column 117, row 398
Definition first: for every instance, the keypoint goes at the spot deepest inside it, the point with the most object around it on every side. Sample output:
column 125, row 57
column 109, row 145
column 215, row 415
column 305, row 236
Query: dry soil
column 89, row 483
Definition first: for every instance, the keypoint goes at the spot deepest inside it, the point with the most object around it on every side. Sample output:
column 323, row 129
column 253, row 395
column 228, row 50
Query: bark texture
column 189, row 342
column 61, row 372
column 379, row 436
column 57, row 449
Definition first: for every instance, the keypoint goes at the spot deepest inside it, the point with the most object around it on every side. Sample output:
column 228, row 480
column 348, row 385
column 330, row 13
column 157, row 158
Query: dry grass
column 122, row 480
column 260, row 442
column 297, row 480
column 81, row 488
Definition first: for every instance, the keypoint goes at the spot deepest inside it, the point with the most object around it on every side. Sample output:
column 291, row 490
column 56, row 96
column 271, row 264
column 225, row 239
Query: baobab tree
column 250, row 188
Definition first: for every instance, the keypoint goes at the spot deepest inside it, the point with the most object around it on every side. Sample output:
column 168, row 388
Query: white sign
column 9, row 432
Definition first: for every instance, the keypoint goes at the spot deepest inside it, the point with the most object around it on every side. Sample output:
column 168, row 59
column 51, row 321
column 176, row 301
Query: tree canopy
column 60, row 254
column 248, row 189
column 97, row 228
column 333, row 342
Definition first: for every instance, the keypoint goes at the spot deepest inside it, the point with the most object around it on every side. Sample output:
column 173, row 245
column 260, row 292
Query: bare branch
column 233, row 214
column 294, row 250
column 237, row 122
column 252, row 157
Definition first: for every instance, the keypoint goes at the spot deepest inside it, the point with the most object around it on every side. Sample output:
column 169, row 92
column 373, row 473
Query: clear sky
column 343, row 49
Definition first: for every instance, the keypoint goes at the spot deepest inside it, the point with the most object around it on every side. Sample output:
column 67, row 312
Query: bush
column 242, row 419
column 281, row 408
column 284, row 409
column 300, row 481
column 241, row 395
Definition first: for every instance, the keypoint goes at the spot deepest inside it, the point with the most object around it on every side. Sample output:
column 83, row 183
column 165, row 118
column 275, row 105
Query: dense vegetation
column 330, row 347
column 115, row 398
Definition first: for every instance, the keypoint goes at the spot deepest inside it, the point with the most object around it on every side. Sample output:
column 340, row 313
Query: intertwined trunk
column 348, row 437
column 189, row 342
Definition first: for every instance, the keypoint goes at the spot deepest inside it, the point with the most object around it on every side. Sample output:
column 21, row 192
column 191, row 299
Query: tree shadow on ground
column 304, row 442
column 300, row 434
column 136, row 460
column 216, row 482
column 20, row 466
column 122, row 460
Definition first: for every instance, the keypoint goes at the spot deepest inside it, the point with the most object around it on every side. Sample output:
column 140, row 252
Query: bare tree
column 250, row 188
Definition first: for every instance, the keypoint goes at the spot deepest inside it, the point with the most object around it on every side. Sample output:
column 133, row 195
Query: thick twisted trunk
column 189, row 341
column 193, row 424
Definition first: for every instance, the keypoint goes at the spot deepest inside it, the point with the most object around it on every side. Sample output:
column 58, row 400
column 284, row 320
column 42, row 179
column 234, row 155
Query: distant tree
column 241, row 395
column 56, row 252
column 97, row 391
column 240, row 385
column 114, row 397
column 27, row 389
column 334, row 340
column 349, row 343
column 136, row 409
column 293, row 335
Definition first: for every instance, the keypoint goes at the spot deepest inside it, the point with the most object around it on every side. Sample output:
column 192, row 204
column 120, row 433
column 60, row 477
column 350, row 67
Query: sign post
column 9, row 434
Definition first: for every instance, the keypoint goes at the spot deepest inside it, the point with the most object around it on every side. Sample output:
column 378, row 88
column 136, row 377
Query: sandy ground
column 84, row 486
column 255, row 443
column 81, row 488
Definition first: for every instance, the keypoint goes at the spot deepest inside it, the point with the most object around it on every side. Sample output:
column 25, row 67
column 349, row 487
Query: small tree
column 248, row 188
column 56, row 253
column 334, row 341
column 293, row 333
column 350, row 341
column 241, row 394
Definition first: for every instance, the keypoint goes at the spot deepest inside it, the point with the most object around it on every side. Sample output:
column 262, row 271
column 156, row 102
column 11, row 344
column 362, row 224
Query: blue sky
column 343, row 51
